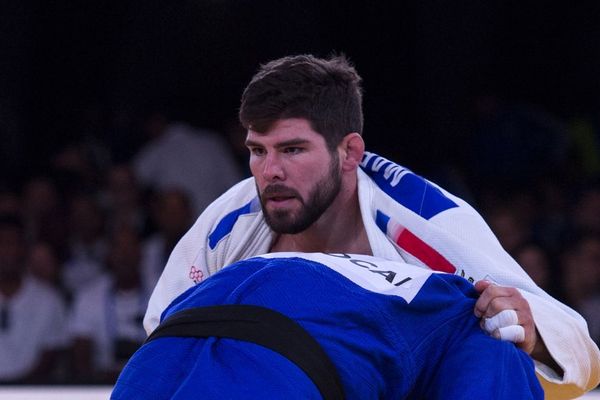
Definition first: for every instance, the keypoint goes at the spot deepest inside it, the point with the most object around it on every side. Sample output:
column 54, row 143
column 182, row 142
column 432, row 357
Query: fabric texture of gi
column 393, row 330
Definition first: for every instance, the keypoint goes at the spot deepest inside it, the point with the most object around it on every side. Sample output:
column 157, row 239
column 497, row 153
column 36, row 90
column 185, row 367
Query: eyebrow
column 286, row 143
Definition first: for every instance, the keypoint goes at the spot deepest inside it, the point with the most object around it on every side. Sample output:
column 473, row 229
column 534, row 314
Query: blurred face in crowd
column 40, row 196
column 589, row 260
column 173, row 213
column 122, row 187
column 581, row 269
column 124, row 257
column 10, row 203
column 12, row 251
column 535, row 262
column 43, row 262
column 508, row 227
column 297, row 177
column 85, row 219
column 586, row 213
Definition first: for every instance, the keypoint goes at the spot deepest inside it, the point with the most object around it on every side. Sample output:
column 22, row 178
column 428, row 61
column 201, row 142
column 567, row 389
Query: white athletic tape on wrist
column 513, row 333
column 502, row 319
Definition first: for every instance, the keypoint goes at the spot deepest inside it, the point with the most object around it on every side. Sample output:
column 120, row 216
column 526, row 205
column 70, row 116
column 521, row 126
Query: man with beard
column 308, row 197
column 315, row 189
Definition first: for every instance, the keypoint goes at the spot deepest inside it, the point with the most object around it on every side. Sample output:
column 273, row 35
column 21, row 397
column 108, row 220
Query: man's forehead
column 288, row 124
column 285, row 130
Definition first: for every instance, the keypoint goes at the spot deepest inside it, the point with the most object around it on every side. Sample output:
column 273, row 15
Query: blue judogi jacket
column 392, row 330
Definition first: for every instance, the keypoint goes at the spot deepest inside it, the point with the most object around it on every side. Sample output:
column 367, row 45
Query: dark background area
column 72, row 70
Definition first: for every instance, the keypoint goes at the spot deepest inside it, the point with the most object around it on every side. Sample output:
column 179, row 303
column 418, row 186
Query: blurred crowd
column 83, row 241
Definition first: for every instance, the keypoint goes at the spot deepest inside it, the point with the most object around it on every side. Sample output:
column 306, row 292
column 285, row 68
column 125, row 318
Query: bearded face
column 287, row 211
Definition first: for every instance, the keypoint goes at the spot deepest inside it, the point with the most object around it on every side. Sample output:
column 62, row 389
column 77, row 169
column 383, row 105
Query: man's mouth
column 279, row 200
column 278, row 194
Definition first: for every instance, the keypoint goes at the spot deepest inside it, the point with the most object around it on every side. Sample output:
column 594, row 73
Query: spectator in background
column 75, row 170
column 180, row 156
column 106, row 320
column 536, row 262
column 45, row 265
column 10, row 202
column 87, row 244
column 172, row 214
column 580, row 264
column 586, row 210
column 553, row 211
column 511, row 230
column 32, row 314
column 123, row 200
column 44, row 212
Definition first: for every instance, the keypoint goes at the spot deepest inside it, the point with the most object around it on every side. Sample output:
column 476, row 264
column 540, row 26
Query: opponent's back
column 392, row 330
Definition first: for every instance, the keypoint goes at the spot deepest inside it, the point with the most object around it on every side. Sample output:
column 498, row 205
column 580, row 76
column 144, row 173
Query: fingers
column 505, row 326
column 494, row 299
column 512, row 333
column 501, row 320
column 480, row 286
column 506, row 314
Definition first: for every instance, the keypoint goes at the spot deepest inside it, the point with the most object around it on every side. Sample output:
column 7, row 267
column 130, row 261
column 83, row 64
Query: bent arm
column 563, row 331
column 567, row 340
column 445, row 233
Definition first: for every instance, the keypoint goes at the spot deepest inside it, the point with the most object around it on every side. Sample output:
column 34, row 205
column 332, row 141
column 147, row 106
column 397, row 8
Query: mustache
column 279, row 190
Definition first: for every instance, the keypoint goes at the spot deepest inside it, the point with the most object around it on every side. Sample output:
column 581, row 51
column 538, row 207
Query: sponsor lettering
column 389, row 276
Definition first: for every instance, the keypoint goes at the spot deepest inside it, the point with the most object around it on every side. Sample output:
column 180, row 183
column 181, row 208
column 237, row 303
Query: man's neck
column 339, row 230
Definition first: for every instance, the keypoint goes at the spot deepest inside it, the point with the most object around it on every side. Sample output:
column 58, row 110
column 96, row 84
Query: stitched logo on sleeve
column 196, row 274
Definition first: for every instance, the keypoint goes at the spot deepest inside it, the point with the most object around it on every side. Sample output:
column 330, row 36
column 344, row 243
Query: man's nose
column 273, row 169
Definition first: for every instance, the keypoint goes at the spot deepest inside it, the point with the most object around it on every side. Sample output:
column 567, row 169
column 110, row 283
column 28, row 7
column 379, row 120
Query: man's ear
column 351, row 150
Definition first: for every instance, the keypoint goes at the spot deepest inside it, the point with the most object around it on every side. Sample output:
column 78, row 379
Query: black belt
column 261, row 326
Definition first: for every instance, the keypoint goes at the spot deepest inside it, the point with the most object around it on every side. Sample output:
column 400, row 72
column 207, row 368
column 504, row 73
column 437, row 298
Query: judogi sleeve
column 431, row 227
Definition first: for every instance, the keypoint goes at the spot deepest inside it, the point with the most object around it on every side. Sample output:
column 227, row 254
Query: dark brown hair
column 326, row 92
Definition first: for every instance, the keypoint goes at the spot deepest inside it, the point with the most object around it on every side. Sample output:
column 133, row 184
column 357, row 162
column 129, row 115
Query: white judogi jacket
column 409, row 219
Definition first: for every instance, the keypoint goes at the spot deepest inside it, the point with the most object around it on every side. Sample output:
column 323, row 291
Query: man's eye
column 293, row 150
column 257, row 151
